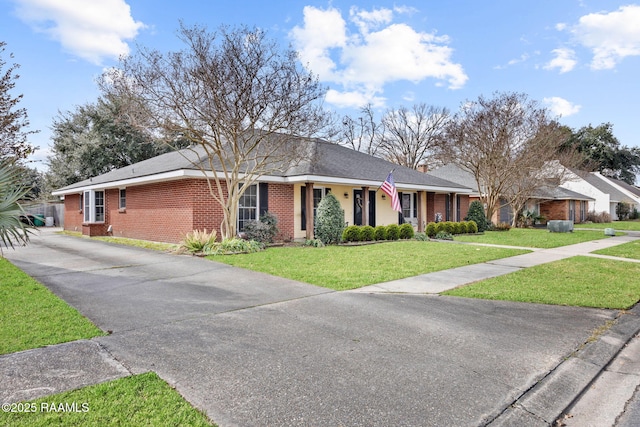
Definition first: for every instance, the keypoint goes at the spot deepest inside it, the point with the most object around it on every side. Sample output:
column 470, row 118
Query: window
column 93, row 206
column 248, row 206
column 583, row 211
column 409, row 205
column 572, row 210
column 123, row 199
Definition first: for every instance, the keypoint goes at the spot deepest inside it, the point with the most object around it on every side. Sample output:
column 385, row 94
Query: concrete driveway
column 252, row 349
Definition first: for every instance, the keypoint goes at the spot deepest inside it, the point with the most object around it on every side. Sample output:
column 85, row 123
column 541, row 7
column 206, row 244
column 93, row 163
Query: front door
column 357, row 207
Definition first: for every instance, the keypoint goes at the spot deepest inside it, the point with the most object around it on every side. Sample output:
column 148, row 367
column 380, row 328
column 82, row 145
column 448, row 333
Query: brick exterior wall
column 465, row 201
column 556, row 209
column 167, row 211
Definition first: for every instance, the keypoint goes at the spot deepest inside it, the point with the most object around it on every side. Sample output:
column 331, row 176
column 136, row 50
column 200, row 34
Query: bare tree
column 411, row 137
column 13, row 120
column 509, row 144
column 360, row 133
column 242, row 102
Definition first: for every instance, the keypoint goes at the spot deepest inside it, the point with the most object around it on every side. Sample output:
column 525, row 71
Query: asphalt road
column 252, row 349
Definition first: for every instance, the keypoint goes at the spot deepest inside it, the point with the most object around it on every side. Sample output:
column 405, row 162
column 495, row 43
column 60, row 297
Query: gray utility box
column 560, row 226
column 609, row 232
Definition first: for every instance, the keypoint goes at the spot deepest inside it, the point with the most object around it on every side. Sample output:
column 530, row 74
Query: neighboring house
column 165, row 197
column 630, row 191
column 604, row 193
column 551, row 202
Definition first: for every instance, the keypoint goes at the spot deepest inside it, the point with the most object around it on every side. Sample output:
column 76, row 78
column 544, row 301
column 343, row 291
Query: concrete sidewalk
column 440, row 281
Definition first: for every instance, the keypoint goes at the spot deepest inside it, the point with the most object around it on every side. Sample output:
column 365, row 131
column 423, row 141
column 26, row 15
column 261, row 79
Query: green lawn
column 350, row 267
column 626, row 250
column 140, row 400
column 618, row 225
column 32, row 316
column 532, row 237
column 578, row 281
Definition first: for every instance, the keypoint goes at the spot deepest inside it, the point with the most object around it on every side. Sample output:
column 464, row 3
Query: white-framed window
column 248, row 206
column 122, row 199
column 93, row 202
column 409, row 205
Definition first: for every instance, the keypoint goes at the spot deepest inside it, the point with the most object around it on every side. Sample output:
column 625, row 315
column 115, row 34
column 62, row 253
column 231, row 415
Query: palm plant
column 12, row 230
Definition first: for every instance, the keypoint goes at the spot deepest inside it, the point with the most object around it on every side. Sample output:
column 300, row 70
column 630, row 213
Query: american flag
column 389, row 188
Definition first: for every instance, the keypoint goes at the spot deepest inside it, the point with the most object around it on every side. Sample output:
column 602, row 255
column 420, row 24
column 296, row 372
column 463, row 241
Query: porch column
column 365, row 205
column 309, row 209
column 454, row 207
column 421, row 208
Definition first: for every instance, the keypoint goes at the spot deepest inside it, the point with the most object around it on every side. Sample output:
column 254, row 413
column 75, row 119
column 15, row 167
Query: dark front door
column 357, row 207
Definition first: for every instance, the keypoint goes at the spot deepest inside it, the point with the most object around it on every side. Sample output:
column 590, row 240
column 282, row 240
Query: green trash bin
column 38, row 220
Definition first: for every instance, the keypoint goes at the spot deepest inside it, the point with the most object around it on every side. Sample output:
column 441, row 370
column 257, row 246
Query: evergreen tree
column 329, row 220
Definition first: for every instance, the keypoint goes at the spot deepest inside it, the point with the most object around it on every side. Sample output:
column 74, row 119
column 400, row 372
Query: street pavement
column 253, row 349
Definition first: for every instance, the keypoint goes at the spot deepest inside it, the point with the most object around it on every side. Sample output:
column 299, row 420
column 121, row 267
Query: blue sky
column 580, row 58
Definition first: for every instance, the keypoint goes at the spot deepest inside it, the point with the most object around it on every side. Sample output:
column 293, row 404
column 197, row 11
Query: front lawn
column 626, row 250
column 617, row 225
column 32, row 316
column 139, row 400
column 532, row 237
column 578, row 281
column 350, row 267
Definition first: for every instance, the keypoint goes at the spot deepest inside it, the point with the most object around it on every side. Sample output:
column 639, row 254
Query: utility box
column 560, row 226
column 609, row 232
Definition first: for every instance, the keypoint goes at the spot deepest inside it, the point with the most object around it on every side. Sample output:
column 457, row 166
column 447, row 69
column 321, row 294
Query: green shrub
column 198, row 240
column 444, row 236
column 406, row 231
column 381, row 232
column 264, row 230
column 393, row 232
column 476, row 213
column 458, row 228
column 234, row 246
column 352, row 233
column 431, row 229
column 472, row 227
column 440, row 227
column 329, row 220
column 367, row 233
column 316, row 243
column 421, row 237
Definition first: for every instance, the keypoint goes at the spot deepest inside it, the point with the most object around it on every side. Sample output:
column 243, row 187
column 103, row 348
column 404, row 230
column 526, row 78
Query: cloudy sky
column 580, row 58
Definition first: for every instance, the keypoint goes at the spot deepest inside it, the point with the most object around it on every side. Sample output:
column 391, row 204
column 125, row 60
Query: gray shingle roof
column 456, row 174
column 324, row 159
column 601, row 184
column 559, row 193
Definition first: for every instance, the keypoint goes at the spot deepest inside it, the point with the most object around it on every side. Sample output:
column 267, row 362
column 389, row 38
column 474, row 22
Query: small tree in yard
column 329, row 220
column 476, row 214
column 243, row 104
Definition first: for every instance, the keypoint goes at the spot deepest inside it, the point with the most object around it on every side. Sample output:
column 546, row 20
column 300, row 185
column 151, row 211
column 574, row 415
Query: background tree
column 508, row 143
column 411, row 137
column 361, row 133
column 96, row 138
column 13, row 120
column 603, row 152
column 241, row 101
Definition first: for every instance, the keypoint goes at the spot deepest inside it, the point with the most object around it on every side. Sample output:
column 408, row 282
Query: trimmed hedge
column 452, row 228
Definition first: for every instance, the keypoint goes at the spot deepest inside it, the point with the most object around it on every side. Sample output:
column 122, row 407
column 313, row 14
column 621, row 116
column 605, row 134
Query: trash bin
column 38, row 221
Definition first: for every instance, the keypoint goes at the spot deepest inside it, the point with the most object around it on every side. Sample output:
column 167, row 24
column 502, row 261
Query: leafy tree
column 603, row 152
column 242, row 103
column 13, row 139
column 329, row 220
column 12, row 230
column 96, row 138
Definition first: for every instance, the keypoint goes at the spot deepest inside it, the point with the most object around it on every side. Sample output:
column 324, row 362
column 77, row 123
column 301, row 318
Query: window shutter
column 263, row 197
column 415, row 205
column 400, row 217
column 303, row 204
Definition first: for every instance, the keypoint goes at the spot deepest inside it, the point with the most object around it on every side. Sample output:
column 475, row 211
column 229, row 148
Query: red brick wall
column 464, row 206
column 72, row 212
column 167, row 211
column 282, row 206
column 439, row 205
column 556, row 209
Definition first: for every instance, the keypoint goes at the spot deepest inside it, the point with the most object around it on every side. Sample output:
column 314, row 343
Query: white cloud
column 363, row 55
column 90, row 30
column 564, row 60
column 611, row 36
column 560, row 106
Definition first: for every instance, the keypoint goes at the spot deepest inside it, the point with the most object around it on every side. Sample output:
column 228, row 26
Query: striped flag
column 389, row 188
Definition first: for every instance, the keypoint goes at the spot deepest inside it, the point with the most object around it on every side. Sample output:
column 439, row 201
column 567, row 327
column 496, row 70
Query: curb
column 545, row 402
